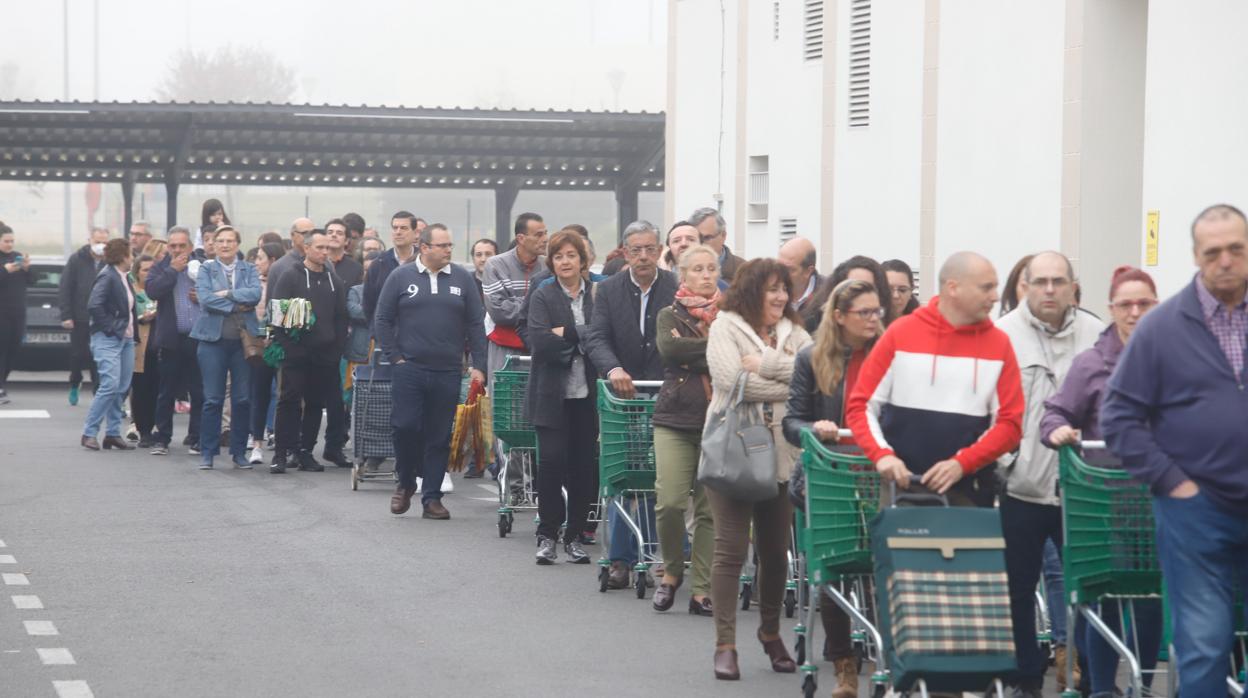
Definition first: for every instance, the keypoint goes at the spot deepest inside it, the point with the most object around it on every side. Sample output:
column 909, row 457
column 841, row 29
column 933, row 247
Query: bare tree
column 231, row 73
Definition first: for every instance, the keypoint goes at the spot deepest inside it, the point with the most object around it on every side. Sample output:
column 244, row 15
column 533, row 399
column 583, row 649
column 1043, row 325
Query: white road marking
column 488, row 488
column 7, row 560
column 40, row 627
column 16, row 579
column 55, row 656
column 72, row 689
column 24, row 414
column 484, row 499
column 27, row 603
column 2, row 545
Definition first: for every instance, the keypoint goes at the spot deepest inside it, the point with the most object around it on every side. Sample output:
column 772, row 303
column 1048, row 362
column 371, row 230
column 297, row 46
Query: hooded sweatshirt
column 325, row 341
column 930, row 391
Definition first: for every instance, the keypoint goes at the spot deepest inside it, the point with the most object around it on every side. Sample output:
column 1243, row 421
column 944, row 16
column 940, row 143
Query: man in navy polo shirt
column 1174, row 411
column 427, row 312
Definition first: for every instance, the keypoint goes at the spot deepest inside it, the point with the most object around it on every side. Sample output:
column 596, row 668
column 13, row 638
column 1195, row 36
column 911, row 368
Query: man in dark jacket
column 169, row 283
column 621, row 345
column 1174, row 412
column 810, row 288
column 74, row 292
column 403, row 232
column 713, row 231
column 309, row 372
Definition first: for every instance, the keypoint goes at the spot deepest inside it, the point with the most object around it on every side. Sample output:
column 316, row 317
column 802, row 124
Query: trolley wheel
column 790, row 603
column 745, row 596
column 604, row 575
column 355, row 478
column 640, row 585
column 809, row 686
column 503, row 527
column 799, row 648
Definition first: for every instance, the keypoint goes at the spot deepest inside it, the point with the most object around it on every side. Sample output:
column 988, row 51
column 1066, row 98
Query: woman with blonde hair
column 823, row 376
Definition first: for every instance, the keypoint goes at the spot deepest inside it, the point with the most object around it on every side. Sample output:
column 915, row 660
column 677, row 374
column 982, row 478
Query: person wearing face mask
column 74, row 292
column 824, row 374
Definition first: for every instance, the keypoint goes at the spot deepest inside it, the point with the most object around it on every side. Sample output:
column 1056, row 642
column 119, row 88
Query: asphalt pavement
column 159, row 579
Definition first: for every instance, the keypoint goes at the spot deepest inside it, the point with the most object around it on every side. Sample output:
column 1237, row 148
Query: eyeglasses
column 1127, row 306
column 866, row 314
column 636, row 250
column 899, row 291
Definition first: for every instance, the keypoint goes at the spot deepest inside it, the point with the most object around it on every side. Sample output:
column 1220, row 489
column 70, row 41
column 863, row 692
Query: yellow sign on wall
column 1151, row 234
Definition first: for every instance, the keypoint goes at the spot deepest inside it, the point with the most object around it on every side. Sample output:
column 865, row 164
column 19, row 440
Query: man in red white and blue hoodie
column 940, row 394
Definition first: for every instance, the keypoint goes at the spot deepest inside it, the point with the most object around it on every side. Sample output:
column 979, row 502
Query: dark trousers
column 262, row 377
column 567, row 459
column 12, row 329
column 1026, row 527
column 179, row 372
column 144, row 392
column 422, row 415
column 80, row 354
column 304, row 389
column 335, row 415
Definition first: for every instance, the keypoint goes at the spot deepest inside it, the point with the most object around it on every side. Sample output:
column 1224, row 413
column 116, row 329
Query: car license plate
column 47, row 338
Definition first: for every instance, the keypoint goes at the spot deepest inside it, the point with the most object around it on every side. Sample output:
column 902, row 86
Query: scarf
column 703, row 308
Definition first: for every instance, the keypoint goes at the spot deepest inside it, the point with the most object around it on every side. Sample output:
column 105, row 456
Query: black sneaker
column 160, row 450
column 309, row 464
column 337, row 458
column 279, row 464
column 576, row 554
column 189, row 440
column 546, row 552
column 146, row 442
column 193, row 450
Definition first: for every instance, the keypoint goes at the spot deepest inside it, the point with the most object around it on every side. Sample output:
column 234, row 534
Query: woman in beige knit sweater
column 757, row 332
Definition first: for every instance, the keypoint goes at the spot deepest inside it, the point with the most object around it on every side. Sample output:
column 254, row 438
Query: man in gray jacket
column 1048, row 331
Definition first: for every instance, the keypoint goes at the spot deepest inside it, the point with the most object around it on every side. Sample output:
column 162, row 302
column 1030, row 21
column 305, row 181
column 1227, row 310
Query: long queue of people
column 973, row 409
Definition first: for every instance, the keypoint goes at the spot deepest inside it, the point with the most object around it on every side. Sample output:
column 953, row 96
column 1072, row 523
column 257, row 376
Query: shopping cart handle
column 1097, row 445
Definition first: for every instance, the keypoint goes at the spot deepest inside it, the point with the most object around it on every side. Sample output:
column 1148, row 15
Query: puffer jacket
column 682, row 400
column 732, row 338
column 1044, row 359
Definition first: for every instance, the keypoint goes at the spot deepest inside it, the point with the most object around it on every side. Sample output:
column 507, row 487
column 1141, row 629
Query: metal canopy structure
column 334, row 146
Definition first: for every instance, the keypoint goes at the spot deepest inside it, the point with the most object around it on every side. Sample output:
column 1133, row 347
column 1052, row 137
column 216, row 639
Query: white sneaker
column 256, row 457
column 448, row 485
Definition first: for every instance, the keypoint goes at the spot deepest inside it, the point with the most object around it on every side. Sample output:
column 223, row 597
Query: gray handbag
column 738, row 452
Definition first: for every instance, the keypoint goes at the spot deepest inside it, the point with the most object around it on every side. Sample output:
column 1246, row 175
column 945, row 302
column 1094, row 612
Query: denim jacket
column 244, row 292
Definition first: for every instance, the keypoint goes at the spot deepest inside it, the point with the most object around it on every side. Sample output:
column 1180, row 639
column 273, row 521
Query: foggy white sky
column 471, row 53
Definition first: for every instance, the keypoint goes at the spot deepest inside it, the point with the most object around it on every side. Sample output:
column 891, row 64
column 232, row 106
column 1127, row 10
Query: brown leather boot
column 401, row 500
column 846, row 678
column 726, row 665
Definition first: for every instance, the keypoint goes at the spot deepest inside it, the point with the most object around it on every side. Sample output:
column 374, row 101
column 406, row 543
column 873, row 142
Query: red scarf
column 703, row 308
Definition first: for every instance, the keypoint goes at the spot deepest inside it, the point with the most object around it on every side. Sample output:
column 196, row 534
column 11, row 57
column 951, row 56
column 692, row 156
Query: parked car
column 46, row 344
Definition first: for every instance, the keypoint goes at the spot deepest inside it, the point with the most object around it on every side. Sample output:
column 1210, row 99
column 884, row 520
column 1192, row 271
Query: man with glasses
column 1047, row 331
column 427, row 312
column 714, row 233
column 809, row 286
column 621, row 343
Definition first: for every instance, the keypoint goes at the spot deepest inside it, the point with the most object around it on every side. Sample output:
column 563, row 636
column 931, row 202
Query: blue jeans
column 1055, row 593
column 1203, row 549
column 1144, row 628
column 114, row 357
column 215, row 360
column 422, row 415
column 623, row 542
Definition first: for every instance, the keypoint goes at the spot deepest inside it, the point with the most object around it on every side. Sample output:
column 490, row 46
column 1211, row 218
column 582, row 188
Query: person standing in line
column 145, row 383
column 1047, row 331
column 681, row 330
column 355, row 231
column 74, row 292
column 680, row 237
column 809, row 285
column 1073, row 415
column 403, row 234
column 308, row 378
column 228, row 294
column 1013, row 291
column 900, row 287
column 211, row 215
column 292, row 261
column 713, row 232
column 865, row 269
column 14, row 278
column 263, row 376
column 140, row 235
column 482, row 250
column 1174, row 413
column 758, row 334
column 170, row 284
column 345, row 266
column 940, row 394
column 561, row 399
column 506, row 282
column 338, row 413
column 112, row 323
column 371, row 244
column 622, row 346
column 824, row 375
column 426, row 314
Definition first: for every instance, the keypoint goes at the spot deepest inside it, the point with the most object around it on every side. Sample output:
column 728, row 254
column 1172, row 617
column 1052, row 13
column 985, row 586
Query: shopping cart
column 372, row 438
column 512, row 427
column 1110, row 551
column 842, row 495
column 626, row 471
